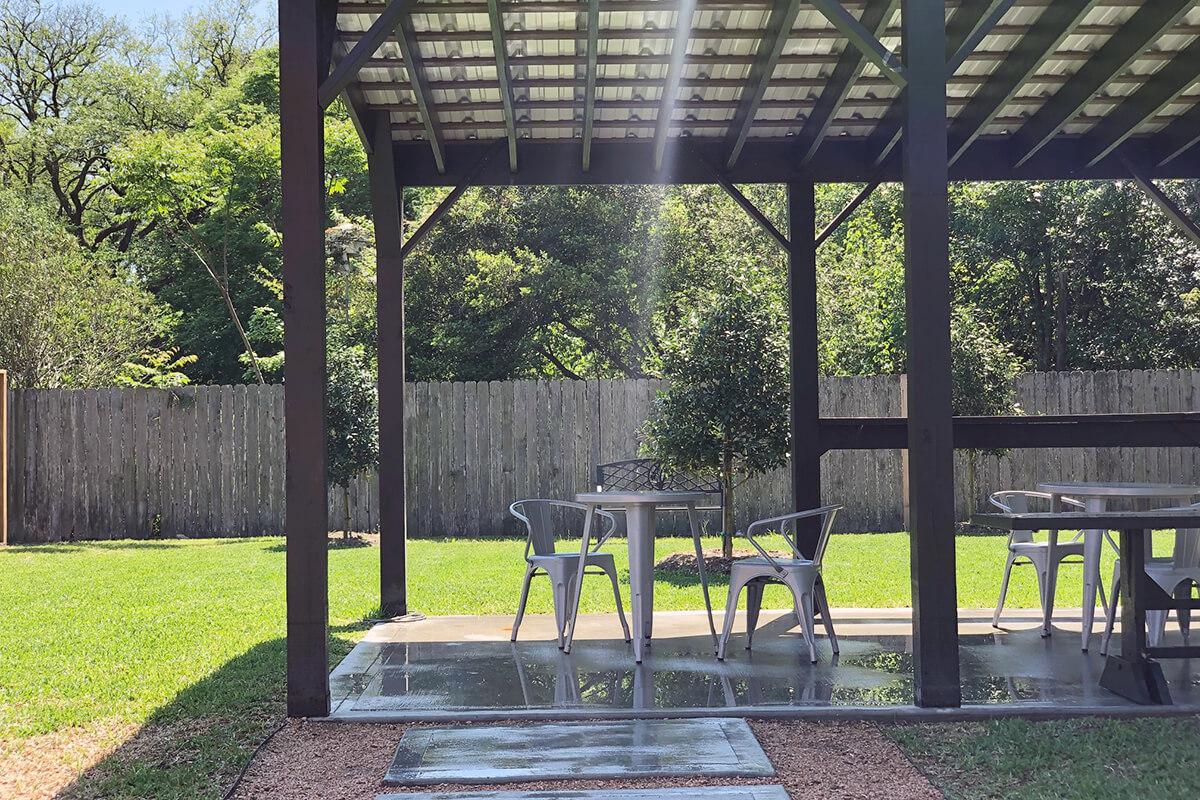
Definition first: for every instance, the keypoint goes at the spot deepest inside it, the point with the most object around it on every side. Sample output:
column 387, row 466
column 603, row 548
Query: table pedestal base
column 1141, row 681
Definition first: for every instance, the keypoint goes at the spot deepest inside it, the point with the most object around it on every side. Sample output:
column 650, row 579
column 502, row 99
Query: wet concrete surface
column 405, row 673
column 621, row 749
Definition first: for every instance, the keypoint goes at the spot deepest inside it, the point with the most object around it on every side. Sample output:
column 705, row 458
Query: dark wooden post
column 306, row 522
column 930, row 416
column 802, row 306
column 386, row 197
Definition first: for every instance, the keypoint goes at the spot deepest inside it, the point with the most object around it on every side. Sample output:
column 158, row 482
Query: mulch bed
column 714, row 562
column 337, row 761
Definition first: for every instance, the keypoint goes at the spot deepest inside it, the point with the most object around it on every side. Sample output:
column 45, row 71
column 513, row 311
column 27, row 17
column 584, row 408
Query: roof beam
column 670, row 95
column 862, row 38
column 589, row 97
column 775, row 37
column 1144, row 104
column 967, row 27
column 1168, row 206
column 347, row 69
column 505, row 78
column 875, row 18
column 1044, row 37
column 1178, row 137
column 419, row 84
column 1144, row 28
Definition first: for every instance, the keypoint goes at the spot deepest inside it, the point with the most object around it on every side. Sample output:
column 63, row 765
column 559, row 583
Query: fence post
column 3, row 458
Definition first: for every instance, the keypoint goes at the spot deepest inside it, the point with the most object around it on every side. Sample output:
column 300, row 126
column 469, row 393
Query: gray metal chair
column 1021, row 544
column 561, row 568
column 801, row 575
column 1175, row 573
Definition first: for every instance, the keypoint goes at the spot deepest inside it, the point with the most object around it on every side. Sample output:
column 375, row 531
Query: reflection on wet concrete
column 1016, row 667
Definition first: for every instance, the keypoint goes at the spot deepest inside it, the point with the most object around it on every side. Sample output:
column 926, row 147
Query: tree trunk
column 727, row 505
column 1060, row 339
column 346, row 511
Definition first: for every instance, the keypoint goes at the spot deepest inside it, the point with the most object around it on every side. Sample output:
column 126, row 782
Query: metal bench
column 648, row 475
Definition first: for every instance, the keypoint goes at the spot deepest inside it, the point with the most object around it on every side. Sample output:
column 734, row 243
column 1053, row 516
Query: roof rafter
column 1145, row 27
column 419, row 84
column 505, row 78
column 967, row 27
column 589, row 96
column 775, row 37
column 670, row 95
column 862, row 38
column 1160, row 91
column 875, row 18
column 380, row 31
column 1044, row 37
column 1177, row 138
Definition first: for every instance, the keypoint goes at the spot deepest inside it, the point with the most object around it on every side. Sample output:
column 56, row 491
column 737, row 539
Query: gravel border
column 313, row 760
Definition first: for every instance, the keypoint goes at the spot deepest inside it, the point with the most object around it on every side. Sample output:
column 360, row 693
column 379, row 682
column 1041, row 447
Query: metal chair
column 561, row 568
column 1021, row 544
column 801, row 575
column 1179, row 571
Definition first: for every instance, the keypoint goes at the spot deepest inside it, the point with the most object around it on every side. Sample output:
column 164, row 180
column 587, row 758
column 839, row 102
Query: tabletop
column 1107, row 520
column 641, row 498
column 1118, row 489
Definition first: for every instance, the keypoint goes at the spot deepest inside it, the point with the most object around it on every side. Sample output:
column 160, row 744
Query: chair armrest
column 765, row 524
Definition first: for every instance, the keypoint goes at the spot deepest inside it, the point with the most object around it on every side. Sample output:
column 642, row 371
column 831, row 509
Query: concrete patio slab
column 465, row 669
column 573, row 751
column 691, row 793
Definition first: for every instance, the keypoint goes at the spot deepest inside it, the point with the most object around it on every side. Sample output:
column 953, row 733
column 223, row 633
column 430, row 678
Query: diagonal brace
column 1188, row 226
column 872, row 49
column 347, row 69
column 448, row 202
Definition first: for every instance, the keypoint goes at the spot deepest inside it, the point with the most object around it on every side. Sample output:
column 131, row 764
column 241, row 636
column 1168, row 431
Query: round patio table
column 640, row 513
column 1095, row 496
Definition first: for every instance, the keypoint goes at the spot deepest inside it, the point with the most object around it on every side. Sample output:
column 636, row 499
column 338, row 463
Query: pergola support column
column 802, row 307
column 386, row 207
column 930, row 414
column 306, row 519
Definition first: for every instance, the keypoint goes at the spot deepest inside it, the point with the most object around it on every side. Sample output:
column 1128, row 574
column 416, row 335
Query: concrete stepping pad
column 690, row 793
column 573, row 751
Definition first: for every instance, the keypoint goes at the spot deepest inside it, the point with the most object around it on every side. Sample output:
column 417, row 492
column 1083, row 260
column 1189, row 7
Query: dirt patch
column 839, row 761
column 714, row 562
column 337, row 541
column 40, row 767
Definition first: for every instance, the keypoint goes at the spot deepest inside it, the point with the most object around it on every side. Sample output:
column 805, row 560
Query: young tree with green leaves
column 726, row 410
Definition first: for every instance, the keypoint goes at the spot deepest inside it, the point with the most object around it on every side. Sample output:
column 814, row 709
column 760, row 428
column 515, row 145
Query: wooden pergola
column 496, row 92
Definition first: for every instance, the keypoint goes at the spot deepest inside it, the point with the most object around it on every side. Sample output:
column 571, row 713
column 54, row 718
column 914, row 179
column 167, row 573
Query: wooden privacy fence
column 209, row 461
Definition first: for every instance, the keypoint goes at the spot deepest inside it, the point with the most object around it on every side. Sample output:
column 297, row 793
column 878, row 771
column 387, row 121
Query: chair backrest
column 782, row 523
column 1017, row 501
column 538, row 516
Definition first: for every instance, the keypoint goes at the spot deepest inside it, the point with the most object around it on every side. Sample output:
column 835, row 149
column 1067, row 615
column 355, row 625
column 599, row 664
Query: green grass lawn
column 186, row 638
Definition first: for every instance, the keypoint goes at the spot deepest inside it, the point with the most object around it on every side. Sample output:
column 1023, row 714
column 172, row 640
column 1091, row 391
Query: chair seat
column 572, row 558
column 1064, row 548
column 762, row 565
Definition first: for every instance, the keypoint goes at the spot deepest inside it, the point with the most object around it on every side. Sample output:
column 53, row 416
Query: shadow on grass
column 196, row 745
column 123, row 544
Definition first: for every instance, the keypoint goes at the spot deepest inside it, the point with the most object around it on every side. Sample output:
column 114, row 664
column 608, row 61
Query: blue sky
column 134, row 9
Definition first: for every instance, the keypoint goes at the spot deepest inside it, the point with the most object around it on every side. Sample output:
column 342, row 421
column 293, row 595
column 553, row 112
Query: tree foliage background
column 147, row 157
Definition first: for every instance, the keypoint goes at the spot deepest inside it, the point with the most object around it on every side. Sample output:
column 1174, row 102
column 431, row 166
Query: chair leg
column 804, row 610
column 822, row 601
column 735, row 591
column 754, row 594
column 612, row 574
column 562, row 596
column 1008, row 565
column 524, row 601
column 1110, row 617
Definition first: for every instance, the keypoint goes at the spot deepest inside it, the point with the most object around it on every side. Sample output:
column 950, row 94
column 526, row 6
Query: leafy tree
column 726, row 410
column 70, row 319
column 351, row 416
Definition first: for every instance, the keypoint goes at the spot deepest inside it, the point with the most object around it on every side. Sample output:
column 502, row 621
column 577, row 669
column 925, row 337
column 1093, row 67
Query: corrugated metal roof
column 547, row 55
